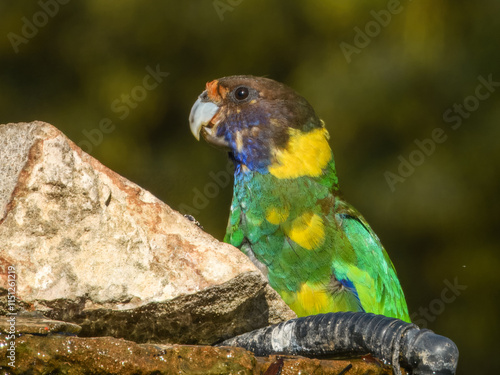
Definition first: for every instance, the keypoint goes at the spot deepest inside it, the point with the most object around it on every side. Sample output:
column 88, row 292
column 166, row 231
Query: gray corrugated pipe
column 393, row 341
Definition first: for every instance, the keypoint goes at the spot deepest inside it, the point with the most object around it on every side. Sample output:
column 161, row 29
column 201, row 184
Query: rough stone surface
column 90, row 247
column 17, row 325
column 106, row 355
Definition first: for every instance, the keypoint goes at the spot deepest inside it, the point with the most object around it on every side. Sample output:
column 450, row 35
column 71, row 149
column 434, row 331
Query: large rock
column 90, row 247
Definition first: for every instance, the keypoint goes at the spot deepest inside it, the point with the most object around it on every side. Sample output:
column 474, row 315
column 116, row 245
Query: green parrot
column 287, row 213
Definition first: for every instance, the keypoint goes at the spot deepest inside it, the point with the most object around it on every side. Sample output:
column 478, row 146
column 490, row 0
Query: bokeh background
column 384, row 75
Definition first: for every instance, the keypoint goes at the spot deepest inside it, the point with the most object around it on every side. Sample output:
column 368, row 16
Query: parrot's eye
column 241, row 93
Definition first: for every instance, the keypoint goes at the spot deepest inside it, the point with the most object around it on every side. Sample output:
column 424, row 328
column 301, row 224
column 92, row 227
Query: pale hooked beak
column 201, row 115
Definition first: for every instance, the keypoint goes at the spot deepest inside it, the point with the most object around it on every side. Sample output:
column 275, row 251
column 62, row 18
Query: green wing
column 372, row 274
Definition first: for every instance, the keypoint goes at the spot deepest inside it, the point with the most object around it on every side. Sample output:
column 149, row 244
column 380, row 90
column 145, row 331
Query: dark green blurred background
column 382, row 85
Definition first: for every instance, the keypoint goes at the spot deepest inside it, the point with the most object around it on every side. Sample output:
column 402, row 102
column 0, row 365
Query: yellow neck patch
column 307, row 154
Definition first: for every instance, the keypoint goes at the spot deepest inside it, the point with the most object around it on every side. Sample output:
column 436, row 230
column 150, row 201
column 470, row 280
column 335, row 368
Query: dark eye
column 241, row 93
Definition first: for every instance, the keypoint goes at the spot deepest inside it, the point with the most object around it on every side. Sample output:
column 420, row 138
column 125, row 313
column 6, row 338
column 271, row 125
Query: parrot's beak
column 202, row 120
column 201, row 116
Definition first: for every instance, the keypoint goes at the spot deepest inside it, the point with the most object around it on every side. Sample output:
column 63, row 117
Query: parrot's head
column 262, row 123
